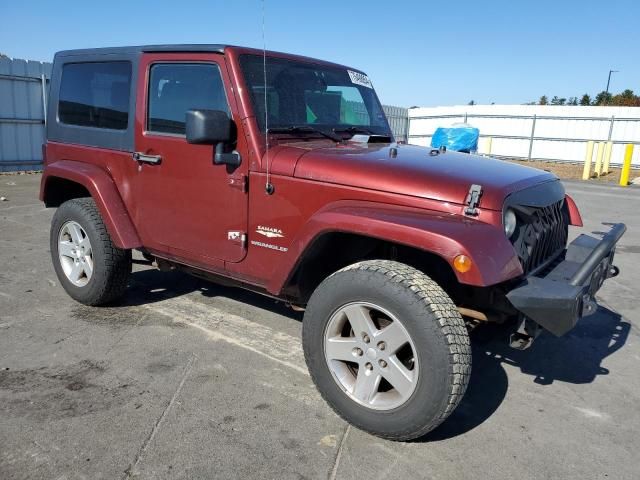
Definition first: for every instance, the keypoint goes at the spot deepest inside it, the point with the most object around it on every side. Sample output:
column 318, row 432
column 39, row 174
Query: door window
column 176, row 88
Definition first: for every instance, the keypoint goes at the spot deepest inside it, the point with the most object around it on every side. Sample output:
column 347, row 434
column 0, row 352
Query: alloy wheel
column 371, row 356
column 75, row 253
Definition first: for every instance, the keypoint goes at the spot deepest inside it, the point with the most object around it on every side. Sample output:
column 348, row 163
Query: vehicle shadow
column 151, row 286
column 574, row 358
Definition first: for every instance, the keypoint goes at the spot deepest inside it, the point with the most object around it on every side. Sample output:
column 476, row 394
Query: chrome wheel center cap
column 371, row 353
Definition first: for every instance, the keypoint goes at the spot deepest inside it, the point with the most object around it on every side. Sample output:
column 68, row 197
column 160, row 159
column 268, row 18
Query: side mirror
column 208, row 126
column 211, row 127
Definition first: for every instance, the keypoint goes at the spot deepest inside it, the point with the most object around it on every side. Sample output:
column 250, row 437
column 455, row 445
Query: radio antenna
column 268, row 187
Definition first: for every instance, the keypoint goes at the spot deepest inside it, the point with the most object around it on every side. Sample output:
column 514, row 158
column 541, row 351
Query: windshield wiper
column 304, row 129
column 379, row 137
column 354, row 130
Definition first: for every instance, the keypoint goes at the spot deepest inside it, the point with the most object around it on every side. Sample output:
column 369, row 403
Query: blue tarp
column 456, row 138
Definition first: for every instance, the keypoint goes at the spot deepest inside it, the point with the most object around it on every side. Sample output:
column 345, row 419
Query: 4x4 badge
column 269, row 232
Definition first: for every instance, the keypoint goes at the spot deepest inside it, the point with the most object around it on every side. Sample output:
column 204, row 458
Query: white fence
column 543, row 132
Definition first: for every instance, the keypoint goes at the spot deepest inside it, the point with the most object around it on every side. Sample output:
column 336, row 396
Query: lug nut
column 366, row 338
column 368, row 366
column 382, row 345
column 382, row 363
column 357, row 352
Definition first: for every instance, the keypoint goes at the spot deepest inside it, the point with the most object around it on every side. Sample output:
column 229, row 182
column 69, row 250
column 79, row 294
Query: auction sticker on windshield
column 359, row 79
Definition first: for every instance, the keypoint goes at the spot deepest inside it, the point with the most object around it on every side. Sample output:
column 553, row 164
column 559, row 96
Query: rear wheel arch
column 58, row 190
column 66, row 179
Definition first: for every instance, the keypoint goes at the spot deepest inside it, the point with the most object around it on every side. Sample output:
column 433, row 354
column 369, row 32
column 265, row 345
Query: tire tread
column 112, row 283
column 449, row 322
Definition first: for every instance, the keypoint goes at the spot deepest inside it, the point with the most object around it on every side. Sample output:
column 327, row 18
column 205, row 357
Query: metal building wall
column 557, row 133
column 398, row 121
column 22, row 113
column 397, row 117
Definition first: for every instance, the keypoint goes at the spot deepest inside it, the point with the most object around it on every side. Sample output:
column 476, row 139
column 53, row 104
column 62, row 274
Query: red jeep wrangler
column 280, row 173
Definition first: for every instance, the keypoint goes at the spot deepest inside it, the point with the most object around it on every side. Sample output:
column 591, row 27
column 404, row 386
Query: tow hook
column 525, row 334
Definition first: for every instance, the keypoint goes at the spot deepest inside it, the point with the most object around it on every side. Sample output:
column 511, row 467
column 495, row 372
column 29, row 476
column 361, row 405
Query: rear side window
column 95, row 94
column 178, row 87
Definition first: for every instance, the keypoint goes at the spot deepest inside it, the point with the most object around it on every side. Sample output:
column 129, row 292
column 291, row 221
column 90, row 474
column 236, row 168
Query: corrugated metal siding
column 21, row 114
column 398, row 121
column 560, row 132
column 397, row 117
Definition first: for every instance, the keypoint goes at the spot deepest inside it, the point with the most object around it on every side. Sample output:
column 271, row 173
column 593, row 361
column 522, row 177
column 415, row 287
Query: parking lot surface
column 187, row 379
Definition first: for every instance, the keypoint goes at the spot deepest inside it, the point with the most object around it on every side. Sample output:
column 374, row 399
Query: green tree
column 472, row 102
column 558, row 101
column 572, row 101
column 543, row 100
column 603, row 98
column 585, row 100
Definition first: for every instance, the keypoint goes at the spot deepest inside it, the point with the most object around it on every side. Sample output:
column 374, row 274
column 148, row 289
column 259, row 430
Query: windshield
column 303, row 94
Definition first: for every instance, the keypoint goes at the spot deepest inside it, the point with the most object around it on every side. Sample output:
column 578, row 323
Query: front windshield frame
column 332, row 84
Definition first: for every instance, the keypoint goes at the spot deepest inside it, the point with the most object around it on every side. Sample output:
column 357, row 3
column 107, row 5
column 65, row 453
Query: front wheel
column 386, row 348
column 90, row 267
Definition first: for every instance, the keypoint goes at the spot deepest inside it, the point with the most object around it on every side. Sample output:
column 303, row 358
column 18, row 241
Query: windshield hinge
column 473, row 199
column 238, row 181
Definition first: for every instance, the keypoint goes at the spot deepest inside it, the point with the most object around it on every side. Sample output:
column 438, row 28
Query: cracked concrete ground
column 187, row 379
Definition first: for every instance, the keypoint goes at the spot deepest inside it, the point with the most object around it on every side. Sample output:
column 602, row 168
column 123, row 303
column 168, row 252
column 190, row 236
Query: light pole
column 606, row 97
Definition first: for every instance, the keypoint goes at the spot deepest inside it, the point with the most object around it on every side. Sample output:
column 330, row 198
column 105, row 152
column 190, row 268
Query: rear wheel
column 89, row 266
column 387, row 348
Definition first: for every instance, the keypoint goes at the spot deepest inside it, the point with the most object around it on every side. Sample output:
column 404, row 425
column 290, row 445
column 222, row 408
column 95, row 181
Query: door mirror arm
column 232, row 159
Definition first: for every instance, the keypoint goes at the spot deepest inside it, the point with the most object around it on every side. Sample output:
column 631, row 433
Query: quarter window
column 95, row 94
column 176, row 88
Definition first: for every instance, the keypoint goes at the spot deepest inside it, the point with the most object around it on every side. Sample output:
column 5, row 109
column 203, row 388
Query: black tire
column 111, row 265
column 434, row 326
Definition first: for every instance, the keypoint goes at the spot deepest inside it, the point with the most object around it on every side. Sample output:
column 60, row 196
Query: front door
column 187, row 207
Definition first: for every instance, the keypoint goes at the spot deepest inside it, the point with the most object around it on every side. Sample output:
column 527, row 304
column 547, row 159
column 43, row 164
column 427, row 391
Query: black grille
column 541, row 234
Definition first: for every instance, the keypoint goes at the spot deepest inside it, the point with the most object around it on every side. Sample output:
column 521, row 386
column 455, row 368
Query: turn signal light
column 462, row 263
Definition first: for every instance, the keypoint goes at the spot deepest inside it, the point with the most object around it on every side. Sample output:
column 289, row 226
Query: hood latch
column 473, row 199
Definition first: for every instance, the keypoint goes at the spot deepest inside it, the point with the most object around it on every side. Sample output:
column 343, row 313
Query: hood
column 411, row 170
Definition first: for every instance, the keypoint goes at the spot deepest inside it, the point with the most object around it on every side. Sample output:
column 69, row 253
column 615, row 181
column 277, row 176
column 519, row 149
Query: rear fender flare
column 103, row 191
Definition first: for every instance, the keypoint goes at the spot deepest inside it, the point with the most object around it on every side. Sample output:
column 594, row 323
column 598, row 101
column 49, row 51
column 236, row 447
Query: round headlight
column 510, row 222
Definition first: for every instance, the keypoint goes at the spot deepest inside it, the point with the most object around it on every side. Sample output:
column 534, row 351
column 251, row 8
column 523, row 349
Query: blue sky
column 416, row 52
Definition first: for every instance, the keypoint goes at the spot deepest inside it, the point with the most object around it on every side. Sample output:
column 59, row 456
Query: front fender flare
column 103, row 191
column 494, row 259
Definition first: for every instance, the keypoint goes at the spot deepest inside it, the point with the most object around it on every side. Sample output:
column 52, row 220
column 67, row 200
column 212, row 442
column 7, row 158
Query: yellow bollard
column 599, row 158
column 607, row 158
column 489, row 142
column 586, row 173
column 626, row 166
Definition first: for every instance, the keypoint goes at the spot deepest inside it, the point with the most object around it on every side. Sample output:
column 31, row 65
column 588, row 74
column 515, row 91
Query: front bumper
column 558, row 297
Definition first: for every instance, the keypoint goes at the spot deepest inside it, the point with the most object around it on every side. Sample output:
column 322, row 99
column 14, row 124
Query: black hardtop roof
column 85, row 54
column 187, row 47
